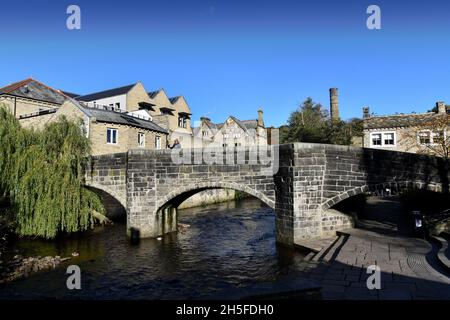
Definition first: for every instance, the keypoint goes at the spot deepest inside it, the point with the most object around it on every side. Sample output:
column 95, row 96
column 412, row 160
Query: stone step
column 442, row 253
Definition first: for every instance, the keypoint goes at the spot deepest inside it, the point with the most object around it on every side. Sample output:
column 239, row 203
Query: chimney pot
column 260, row 117
column 441, row 107
column 366, row 113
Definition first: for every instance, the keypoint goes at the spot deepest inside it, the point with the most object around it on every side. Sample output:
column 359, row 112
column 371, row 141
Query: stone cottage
column 411, row 132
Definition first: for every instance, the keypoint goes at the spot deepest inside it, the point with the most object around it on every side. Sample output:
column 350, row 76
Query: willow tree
column 42, row 175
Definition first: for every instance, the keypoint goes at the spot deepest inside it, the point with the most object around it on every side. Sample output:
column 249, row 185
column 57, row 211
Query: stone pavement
column 408, row 266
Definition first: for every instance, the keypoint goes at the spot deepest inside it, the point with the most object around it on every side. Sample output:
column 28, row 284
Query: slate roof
column 174, row 99
column 108, row 116
column 70, row 94
column 33, row 89
column 244, row 124
column 153, row 94
column 400, row 120
column 105, row 94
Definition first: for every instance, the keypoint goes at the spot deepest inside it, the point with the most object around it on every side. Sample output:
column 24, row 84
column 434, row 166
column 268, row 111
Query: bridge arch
column 177, row 196
column 114, row 205
column 404, row 185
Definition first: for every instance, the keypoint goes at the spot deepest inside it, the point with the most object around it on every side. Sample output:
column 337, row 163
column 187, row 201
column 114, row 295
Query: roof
column 105, row 94
column 174, row 99
column 180, row 104
column 244, row 124
column 109, row 116
column 153, row 94
column 70, row 94
column 33, row 89
column 400, row 120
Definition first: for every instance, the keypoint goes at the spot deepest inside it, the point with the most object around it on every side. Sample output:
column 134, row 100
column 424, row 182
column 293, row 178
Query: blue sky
column 230, row 57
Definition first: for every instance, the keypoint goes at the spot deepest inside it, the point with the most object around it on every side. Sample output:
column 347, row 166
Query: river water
column 227, row 247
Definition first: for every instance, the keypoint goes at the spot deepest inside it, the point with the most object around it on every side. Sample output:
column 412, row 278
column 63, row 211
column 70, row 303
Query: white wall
column 122, row 99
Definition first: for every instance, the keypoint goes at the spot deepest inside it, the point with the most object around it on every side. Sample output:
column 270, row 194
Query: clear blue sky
column 230, row 57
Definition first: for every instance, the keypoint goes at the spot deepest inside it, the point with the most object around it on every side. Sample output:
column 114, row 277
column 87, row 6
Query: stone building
column 113, row 121
column 30, row 96
column 170, row 113
column 402, row 132
column 233, row 132
column 108, row 131
column 173, row 113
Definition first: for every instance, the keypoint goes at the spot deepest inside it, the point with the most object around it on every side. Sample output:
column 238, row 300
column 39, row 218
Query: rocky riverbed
column 18, row 266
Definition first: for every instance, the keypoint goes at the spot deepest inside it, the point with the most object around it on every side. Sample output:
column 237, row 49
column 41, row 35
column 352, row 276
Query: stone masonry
column 311, row 179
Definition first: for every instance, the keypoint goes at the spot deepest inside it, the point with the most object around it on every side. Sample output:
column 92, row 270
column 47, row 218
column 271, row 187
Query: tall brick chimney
column 334, row 104
column 441, row 107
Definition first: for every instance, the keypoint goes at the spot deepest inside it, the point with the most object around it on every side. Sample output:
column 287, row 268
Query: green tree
column 42, row 175
column 311, row 123
column 306, row 124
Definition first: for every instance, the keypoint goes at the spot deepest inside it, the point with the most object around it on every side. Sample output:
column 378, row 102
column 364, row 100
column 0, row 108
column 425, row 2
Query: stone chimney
column 260, row 118
column 441, row 107
column 366, row 113
column 334, row 104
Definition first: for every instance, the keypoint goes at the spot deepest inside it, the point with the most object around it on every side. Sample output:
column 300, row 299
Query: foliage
column 311, row 123
column 437, row 130
column 42, row 174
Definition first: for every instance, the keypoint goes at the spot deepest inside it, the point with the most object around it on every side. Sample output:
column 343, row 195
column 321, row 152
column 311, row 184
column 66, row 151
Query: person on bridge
column 176, row 145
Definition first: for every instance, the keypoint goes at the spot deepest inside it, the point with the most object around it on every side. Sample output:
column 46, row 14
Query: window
column 424, row 137
column 427, row 137
column 385, row 139
column 376, row 139
column 224, row 145
column 182, row 121
column 141, row 139
column 118, row 105
column 111, row 136
column 157, row 142
column 388, row 138
column 438, row 137
column 204, row 133
column 225, row 135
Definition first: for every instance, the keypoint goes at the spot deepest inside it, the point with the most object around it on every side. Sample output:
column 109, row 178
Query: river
column 228, row 246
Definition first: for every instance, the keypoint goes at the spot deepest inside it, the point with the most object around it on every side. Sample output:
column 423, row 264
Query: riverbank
column 18, row 266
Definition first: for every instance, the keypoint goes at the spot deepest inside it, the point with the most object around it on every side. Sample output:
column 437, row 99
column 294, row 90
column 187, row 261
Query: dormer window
column 182, row 121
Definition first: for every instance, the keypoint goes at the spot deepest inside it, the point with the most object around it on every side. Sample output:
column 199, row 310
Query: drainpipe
column 15, row 106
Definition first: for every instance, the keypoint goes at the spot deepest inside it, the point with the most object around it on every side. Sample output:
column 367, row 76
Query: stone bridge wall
column 310, row 180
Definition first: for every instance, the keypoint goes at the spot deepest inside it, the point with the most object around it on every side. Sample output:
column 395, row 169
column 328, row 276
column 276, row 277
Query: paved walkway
column 408, row 268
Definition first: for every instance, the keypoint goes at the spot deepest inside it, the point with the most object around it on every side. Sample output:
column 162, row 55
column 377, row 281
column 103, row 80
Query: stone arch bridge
column 310, row 179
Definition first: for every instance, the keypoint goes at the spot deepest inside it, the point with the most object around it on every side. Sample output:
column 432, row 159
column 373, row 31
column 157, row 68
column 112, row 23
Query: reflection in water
column 228, row 246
